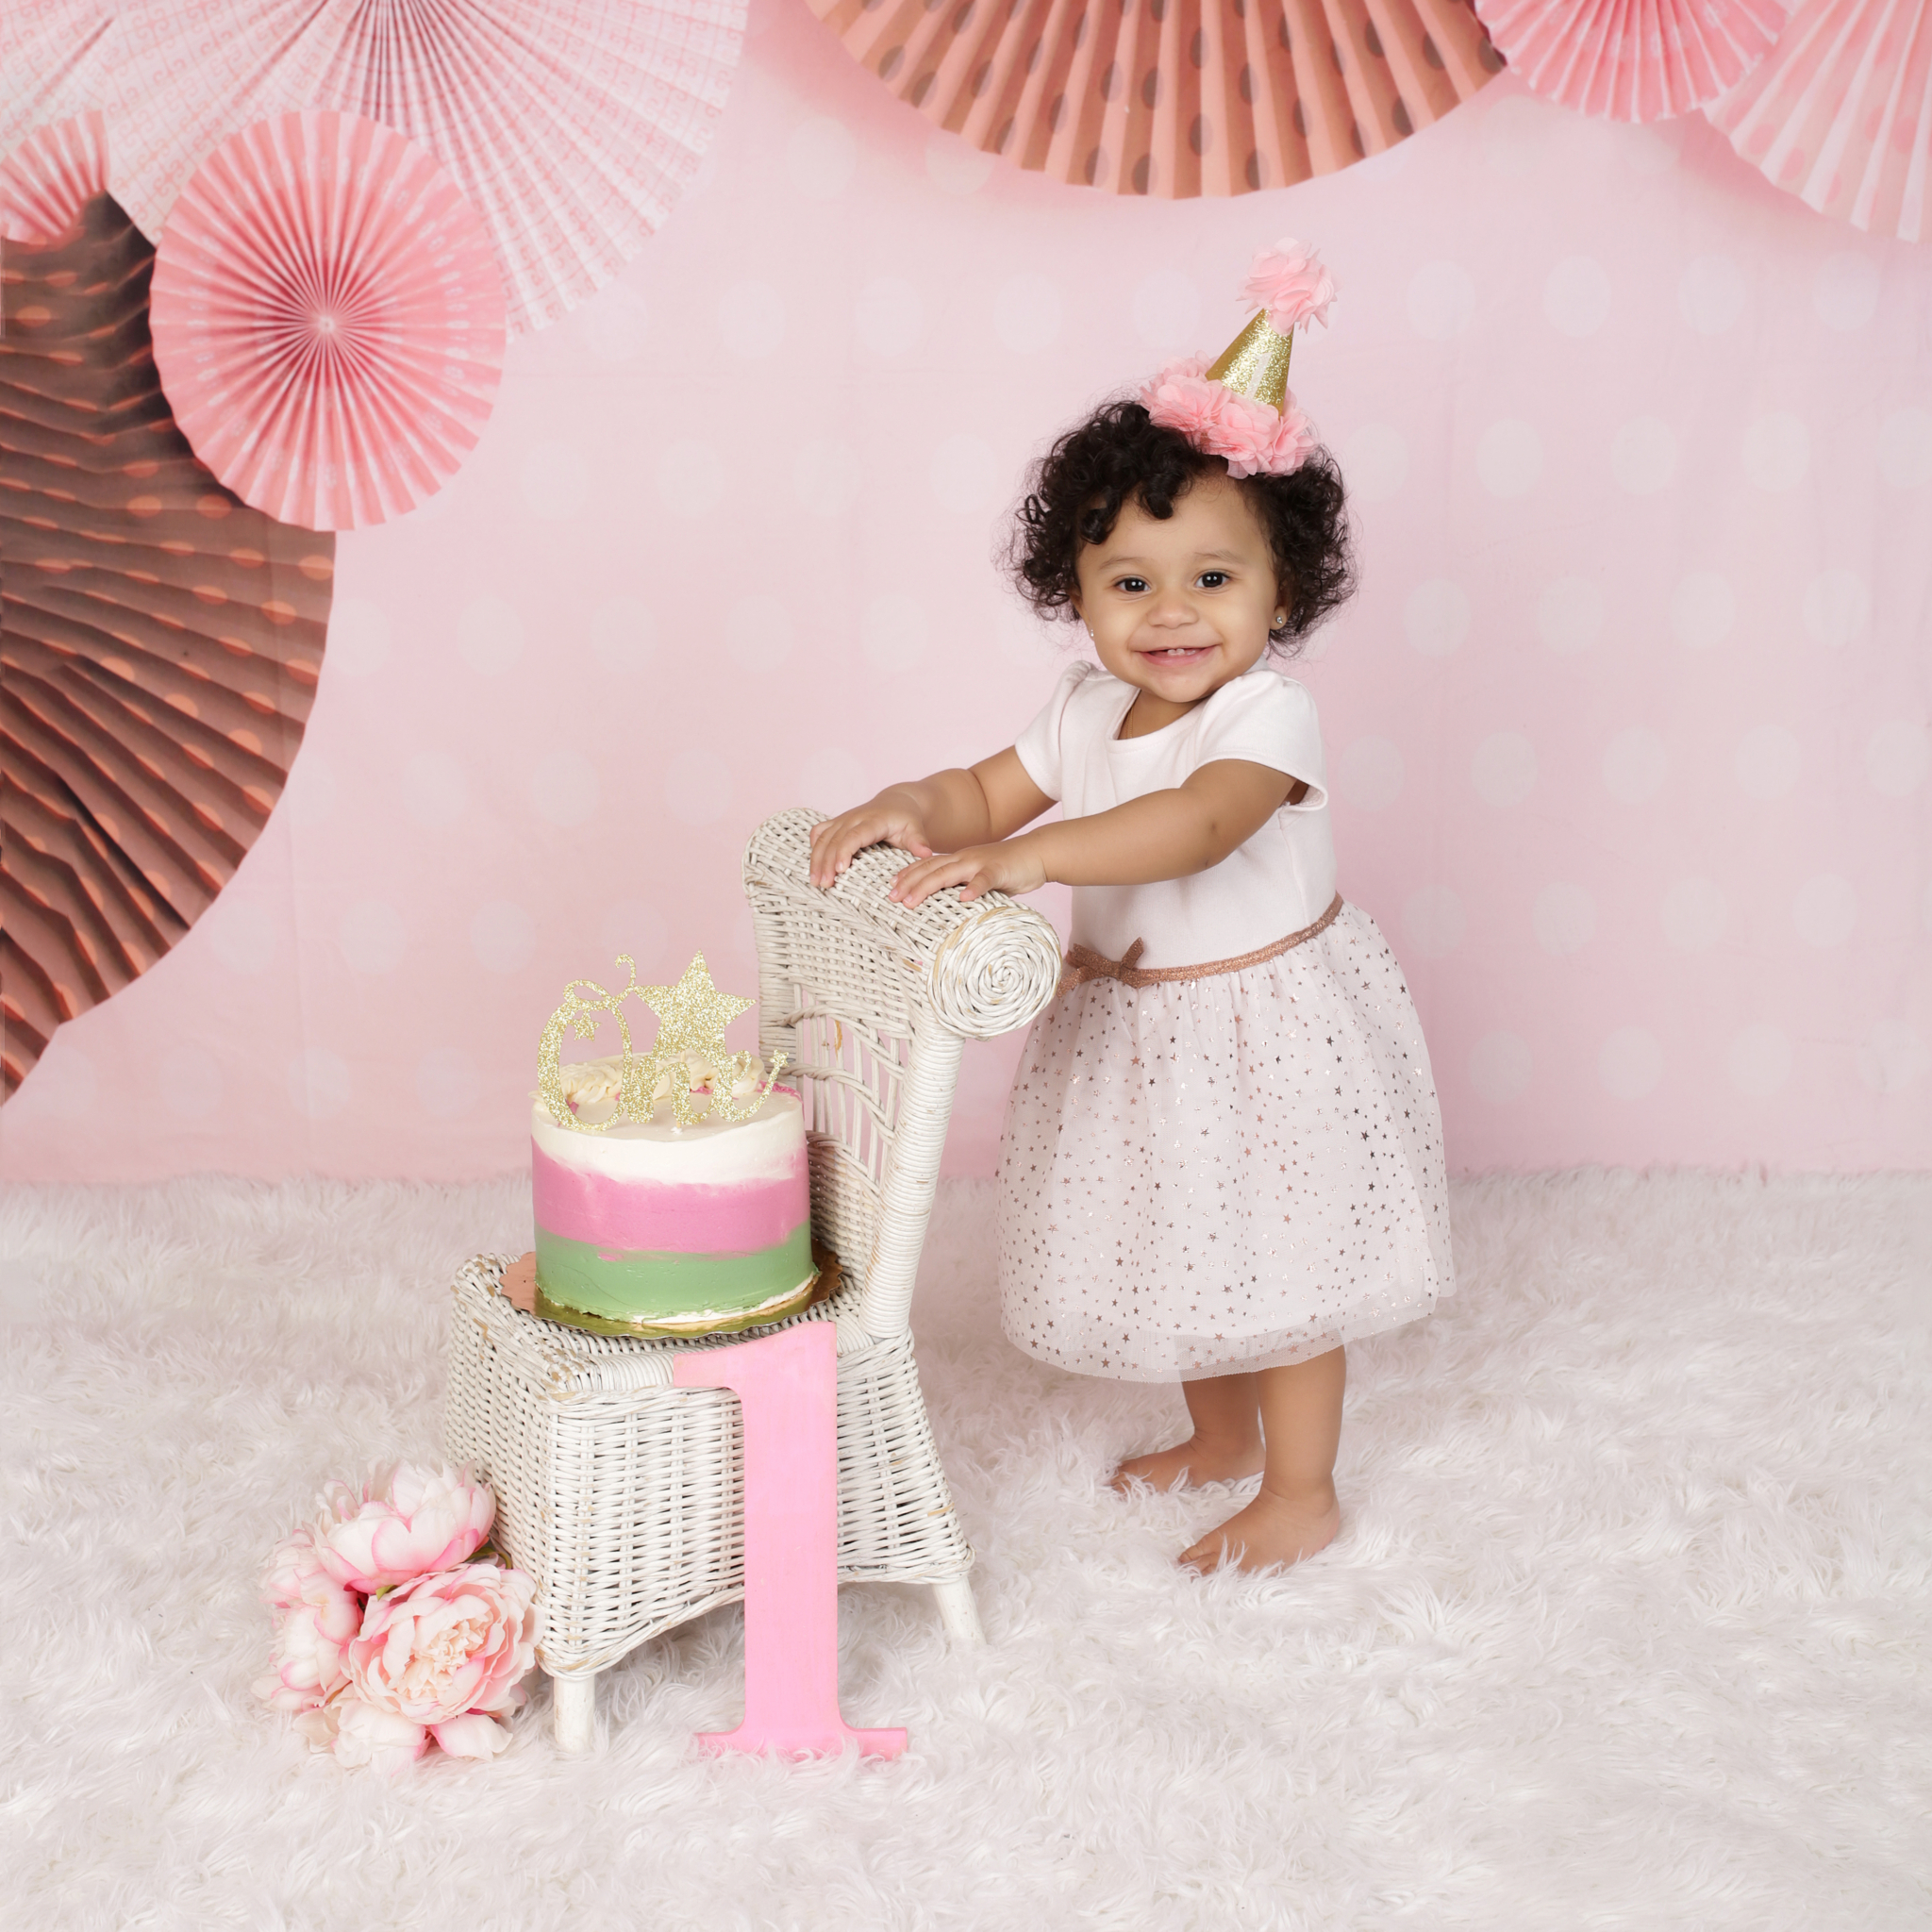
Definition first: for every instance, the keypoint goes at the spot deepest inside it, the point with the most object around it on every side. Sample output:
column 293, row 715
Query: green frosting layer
column 651, row 1285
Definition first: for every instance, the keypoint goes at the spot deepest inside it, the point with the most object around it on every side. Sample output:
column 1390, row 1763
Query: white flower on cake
column 689, row 1066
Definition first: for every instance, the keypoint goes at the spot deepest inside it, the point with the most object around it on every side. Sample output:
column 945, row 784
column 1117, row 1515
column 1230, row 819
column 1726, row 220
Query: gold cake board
column 519, row 1288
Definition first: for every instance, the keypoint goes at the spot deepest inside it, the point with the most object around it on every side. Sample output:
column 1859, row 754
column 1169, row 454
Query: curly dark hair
column 1120, row 454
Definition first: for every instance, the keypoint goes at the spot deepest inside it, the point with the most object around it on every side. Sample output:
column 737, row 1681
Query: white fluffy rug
column 1627, row 1626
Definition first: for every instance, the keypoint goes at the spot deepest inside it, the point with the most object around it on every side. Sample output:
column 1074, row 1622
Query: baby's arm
column 941, row 814
column 1166, row 835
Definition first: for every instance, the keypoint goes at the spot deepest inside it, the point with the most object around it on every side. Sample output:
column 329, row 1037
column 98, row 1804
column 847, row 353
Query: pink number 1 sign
column 787, row 1385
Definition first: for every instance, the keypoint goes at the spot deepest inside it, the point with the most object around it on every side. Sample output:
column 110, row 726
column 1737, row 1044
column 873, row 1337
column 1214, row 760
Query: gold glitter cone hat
column 1239, row 406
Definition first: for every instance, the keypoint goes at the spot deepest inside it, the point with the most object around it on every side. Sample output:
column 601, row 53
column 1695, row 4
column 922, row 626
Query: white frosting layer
column 769, row 1146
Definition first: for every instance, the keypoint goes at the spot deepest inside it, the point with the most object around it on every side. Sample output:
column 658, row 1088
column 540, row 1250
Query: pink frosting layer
column 736, row 1219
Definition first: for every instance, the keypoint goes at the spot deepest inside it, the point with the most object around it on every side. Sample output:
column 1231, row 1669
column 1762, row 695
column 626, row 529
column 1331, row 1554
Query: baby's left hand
column 1012, row 866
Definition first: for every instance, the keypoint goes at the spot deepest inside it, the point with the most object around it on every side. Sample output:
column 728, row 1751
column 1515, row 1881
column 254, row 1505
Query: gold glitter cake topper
column 691, row 1018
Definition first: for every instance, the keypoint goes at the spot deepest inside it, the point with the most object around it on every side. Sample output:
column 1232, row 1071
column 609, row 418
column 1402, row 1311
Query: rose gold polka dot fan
column 1174, row 97
column 159, row 643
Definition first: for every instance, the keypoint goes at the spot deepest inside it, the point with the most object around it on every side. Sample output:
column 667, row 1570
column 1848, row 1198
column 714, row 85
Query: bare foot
column 1271, row 1531
column 1187, row 1465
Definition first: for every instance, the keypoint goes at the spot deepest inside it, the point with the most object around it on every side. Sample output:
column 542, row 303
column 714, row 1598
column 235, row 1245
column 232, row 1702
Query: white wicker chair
column 620, row 1493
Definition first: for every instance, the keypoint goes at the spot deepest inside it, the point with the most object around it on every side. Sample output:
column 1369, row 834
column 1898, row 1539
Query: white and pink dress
column 1204, row 1172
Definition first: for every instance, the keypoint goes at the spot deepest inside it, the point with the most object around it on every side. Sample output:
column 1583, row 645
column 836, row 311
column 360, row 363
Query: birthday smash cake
column 670, row 1188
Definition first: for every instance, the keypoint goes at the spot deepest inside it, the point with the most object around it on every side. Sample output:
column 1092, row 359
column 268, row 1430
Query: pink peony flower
column 311, row 1647
column 1290, row 283
column 295, row 1572
column 418, row 1521
column 366, row 1733
column 447, row 1646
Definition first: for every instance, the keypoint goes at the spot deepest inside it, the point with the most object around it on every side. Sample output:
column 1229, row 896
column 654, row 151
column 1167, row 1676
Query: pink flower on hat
column 1290, row 283
column 1255, row 439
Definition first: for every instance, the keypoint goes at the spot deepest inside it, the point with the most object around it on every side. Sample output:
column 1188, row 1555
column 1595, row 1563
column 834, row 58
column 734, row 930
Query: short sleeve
column 1267, row 719
column 1041, row 745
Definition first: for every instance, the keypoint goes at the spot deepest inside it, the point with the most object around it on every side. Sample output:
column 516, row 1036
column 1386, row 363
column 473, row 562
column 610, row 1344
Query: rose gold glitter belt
column 1083, row 963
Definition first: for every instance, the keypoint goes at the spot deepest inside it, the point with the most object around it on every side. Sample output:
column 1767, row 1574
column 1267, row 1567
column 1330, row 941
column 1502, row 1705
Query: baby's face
column 1179, row 606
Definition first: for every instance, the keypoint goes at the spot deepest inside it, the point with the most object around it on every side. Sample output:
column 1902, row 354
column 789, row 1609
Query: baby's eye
column 1213, row 580
column 1131, row 585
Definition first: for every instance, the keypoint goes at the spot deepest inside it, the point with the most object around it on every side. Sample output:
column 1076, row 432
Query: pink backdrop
column 1627, row 729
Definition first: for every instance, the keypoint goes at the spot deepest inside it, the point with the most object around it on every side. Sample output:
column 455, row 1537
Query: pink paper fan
column 327, row 320
column 53, row 174
column 1632, row 59
column 574, row 126
column 1841, row 113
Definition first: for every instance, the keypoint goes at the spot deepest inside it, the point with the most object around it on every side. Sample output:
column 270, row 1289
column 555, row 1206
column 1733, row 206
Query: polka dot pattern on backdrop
column 1898, row 755
column 1905, row 449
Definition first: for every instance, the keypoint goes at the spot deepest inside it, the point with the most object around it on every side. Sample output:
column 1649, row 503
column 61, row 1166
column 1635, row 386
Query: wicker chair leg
column 573, row 1710
column 957, row 1611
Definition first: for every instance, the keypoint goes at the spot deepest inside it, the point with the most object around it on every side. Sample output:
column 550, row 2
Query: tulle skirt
column 1208, row 1175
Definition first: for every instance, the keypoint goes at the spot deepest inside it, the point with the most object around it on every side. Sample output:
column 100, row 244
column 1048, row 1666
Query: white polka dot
column 1504, row 769
column 820, row 158
column 1760, row 1060
column 447, row 1082
column 1563, row 919
column 751, row 320
column 1630, row 1063
column 1844, row 291
column 826, row 476
column 1441, row 301
column 1576, row 296
column 1368, row 773
column 1500, row 1065
column 62, row 1085
column 1027, row 313
column 1167, row 311
column 1692, row 914
column 1518, row 132
column 563, row 787
column 1897, row 757
column 1509, row 458
column 1711, row 293
column 372, row 937
column 1776, row 451
column 691, row 477
column 319, row 1083
column 1635, row 765
column 1905, row 449
column 309, row 798
column 556, row 480
column 1644, row 456
column 623, row 636
column 191, row 1082
column 1376, row 462
column 1768, row 761
column 954, row 166
column 244, row 937
column 616, row 325
column 1892, row 1058
column 890, row 316
column 697, row 787
column 489, row 634
column 1837, row 606
column 1703, row 608
column 359, row 636
column 1570, row 614
column 503, row 936
column 436, row 789
column 757, row 633
column 629, row 925
column 964, row 473
column 1436, row 617
column 895, row 632
column 832, row 780
column 1826, row 910
column 1433, row 921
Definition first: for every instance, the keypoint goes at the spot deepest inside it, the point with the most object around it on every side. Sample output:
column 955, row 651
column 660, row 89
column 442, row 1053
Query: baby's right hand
column 887, row 821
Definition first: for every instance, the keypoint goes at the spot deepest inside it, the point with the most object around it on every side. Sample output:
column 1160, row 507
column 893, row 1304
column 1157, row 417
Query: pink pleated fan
column 328, row 320
column 1841, row 113
column 51, row 177
column 1173, row 98
column 573, row 126
column 1632, row 59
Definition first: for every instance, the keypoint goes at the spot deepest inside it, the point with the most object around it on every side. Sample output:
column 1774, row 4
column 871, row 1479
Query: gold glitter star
column 693, row 1015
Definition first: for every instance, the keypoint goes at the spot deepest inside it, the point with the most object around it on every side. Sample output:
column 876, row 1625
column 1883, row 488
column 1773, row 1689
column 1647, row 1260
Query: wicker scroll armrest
column 985, row 967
